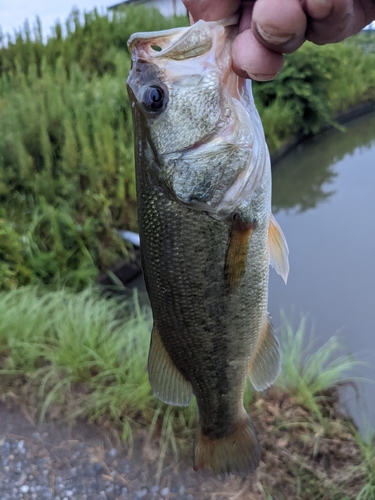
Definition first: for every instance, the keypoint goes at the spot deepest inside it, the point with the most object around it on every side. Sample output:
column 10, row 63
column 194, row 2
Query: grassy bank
column 316, row 84
column 66, row 149
column 66, row 146
column 80, row 355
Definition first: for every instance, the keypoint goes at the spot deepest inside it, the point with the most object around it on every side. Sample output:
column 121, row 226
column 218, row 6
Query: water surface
column 324, row 200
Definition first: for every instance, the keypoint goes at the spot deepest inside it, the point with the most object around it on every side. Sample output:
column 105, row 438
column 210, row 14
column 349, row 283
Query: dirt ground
column 61, row 461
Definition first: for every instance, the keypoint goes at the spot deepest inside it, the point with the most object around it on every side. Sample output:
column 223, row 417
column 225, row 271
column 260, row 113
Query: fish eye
column 153, row 98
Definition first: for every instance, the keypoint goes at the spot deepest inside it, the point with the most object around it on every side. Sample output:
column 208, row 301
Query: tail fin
column 237, row 453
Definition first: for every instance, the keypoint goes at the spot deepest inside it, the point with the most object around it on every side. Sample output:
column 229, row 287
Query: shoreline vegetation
column 352, row 113
column 67, row 185
column 66, row 355
column 66, row 141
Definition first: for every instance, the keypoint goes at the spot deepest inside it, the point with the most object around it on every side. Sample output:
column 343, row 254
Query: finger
column 252, row 60
column 318, row 9
column 211, row 10
column 343, row 19
column 279, row 25
column 246, row 16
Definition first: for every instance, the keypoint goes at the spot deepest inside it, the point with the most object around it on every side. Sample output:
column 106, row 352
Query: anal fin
column 238, row 248
column 266, row 363
column 167, row 383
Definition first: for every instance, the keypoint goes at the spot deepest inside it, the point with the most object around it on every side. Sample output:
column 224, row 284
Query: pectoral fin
column 278, row 248
column 167, row 383
column 238, row 248
column 266, row 363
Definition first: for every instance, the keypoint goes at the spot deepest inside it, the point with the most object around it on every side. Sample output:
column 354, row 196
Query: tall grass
column 82, row 355
column 66, row 140
column 56, row 340
column 85, row 355
column 67, row 169
column 91, row 42
column 307, row 370
column 66, row 148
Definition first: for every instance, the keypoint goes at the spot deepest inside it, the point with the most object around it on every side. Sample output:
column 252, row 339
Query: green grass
column 73, row 355
column 56, row 340
column 66, row 137
column 66, row 149
column 307, row 370
column 83, row 355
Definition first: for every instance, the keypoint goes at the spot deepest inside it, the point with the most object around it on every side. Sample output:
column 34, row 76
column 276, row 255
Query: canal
column 324, row 200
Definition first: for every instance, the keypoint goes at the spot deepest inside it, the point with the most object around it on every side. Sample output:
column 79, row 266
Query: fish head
column 193, row 110
column 176, row 84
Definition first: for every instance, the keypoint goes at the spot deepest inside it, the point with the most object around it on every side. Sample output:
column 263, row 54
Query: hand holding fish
column 271, row 28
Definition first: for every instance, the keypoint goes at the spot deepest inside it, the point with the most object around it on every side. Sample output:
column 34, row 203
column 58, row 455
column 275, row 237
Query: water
column 323, row 198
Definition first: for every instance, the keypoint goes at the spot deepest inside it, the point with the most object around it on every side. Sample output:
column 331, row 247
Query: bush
column 13, row 270
column 66, row 140
column 315, row 84
column 66, row 145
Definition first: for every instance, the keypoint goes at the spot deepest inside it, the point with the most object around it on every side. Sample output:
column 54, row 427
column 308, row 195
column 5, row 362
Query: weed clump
column 66, row 141
column 67, row 355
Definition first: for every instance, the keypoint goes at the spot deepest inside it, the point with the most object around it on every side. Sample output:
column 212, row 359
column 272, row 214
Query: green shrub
column 66, row 145
column 66, row 163
column 13, row 269
column 66, row 140
column 315, row 84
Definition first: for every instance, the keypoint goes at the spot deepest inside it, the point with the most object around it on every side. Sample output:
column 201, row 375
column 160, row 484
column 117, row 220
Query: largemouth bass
column 207, row 233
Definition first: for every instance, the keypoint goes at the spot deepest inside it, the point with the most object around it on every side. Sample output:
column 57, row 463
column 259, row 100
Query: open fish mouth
column 177, row 43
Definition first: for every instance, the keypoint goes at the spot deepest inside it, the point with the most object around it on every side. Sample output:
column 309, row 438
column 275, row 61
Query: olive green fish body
column 204, row 206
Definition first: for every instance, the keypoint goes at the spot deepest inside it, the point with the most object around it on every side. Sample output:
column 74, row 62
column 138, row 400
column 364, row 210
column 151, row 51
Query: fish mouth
column 175, row 44
column 178, row 43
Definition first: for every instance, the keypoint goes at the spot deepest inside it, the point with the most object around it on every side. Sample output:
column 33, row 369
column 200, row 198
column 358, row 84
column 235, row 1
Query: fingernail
column 263, row 78
column 259, row 77
column 273, row 38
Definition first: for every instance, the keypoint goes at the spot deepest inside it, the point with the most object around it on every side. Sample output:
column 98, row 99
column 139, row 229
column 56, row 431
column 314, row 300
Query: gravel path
column 60, row 462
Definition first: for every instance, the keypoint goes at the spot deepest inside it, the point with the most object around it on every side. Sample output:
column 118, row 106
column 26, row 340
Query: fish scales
column 197, row 321
column 204, row 242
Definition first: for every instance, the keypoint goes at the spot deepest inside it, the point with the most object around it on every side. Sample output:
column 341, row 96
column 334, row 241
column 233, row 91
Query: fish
column 207, row 234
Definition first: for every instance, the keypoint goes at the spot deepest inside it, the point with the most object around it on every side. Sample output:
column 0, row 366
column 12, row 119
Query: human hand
column 271, row 28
